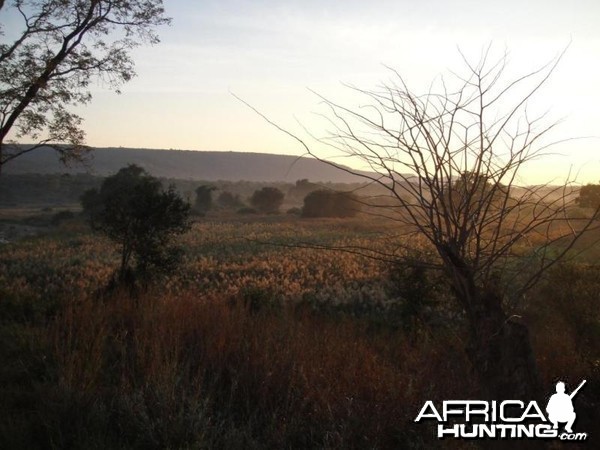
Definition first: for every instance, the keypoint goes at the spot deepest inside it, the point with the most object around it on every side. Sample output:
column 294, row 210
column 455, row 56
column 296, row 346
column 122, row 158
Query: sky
column 273, row 54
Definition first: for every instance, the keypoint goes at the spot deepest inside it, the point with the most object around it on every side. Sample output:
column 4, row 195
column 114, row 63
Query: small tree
column 59, row 49
column 326, row 203
column 589, row 196
column 204, row 201
column 134, row 210
column 267, row 200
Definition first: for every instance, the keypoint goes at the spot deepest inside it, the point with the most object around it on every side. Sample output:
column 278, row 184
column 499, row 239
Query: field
column 256, row 342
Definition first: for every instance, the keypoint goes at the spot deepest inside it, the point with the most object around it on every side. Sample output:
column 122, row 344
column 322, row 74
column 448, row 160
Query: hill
column 185, row 164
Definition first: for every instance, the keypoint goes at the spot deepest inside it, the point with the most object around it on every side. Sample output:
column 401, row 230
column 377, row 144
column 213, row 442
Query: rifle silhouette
column 572, row 394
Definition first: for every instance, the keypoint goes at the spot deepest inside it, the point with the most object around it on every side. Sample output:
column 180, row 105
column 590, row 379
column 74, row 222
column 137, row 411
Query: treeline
column 46, row 190
column 64, row 189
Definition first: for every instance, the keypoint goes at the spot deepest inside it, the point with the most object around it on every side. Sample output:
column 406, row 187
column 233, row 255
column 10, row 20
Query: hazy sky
column 270, row 52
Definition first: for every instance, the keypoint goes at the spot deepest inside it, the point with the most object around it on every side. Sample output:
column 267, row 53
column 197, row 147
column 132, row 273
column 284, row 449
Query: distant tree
column 326, row 203
column 228, row 200
column 59, row 48
column 302, row 188
column 589, row 196
column 132, row 209
column 204, row 202
column 267, row 200
column 471, row 187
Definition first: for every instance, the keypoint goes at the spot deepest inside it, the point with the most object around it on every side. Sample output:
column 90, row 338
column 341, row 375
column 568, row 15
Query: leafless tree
column 449, row 162
column 48, row 64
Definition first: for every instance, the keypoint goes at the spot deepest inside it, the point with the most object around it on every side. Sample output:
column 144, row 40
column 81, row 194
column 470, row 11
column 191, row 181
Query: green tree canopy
column 134, row 210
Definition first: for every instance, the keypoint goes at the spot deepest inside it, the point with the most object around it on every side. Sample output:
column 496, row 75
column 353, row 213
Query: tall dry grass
column 202, row 372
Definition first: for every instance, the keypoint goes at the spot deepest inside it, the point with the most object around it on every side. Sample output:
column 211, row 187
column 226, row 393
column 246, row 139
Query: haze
column 270, row 52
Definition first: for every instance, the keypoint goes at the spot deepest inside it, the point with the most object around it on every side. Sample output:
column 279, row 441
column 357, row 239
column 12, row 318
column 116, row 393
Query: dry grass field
column 254, row 343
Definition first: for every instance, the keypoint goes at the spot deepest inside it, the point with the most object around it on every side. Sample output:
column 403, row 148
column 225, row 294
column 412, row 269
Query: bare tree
column 60, row 48
column 449, row 162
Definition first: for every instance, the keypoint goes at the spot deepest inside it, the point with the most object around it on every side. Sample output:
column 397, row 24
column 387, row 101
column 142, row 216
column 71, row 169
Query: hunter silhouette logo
column 560, row 407
column 508, row 419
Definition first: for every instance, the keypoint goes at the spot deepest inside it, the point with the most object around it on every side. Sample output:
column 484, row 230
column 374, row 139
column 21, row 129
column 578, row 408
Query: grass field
column 251, row 344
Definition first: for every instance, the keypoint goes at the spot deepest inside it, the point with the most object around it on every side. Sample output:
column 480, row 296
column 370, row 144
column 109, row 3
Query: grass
column 248, row 346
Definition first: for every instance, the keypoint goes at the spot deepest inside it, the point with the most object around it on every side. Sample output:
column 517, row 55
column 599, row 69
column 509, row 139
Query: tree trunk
column 500, row 351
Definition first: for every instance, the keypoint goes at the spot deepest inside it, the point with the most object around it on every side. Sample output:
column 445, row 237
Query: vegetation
column 448, row 160
column 325, row 203
column 132, row 209
column 589, row 196
column 254, row 346
column 204, row 201
column 59, row 49
column 228, row 200
column 267, row 200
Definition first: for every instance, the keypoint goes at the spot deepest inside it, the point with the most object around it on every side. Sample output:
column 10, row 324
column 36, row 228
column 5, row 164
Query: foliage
column 471, row 187
column 589, row 196
column 204, row 198
column 59, row 49
column 133, row 210
column 267, row 200
column 326, row 203
column 228, row 200
column 301, row 189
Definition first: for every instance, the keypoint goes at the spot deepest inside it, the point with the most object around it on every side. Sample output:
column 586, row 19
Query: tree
column 327, row 203
column 61, row 47
column 267, row 200
column 134, row 210
column 448, row 161
column 204, row 198
column 589, row 196
column 301, row 189
column 228, row 200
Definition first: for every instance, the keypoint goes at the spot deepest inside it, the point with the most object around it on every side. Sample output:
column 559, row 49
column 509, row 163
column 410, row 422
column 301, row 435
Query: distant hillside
column 194, row 165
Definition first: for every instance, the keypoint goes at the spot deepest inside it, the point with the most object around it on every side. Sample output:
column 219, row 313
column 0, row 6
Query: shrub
column 203, row 199
column 325, row 203
column 589, row 196
column 228, row 200
column 267, row 200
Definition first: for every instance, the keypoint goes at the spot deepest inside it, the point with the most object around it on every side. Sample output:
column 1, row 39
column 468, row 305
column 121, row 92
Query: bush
column 325, row 203
column 203, row 199
column 267, row 200
column 589, row 196
column 228, row 200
